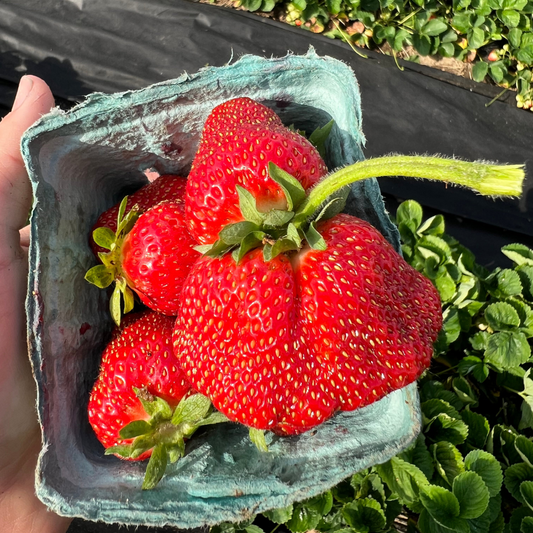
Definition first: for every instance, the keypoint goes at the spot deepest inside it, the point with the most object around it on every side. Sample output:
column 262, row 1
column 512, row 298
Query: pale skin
column 20, row 440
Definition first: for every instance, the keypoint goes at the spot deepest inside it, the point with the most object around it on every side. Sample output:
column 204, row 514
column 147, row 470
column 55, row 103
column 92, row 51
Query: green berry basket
column 82, row 162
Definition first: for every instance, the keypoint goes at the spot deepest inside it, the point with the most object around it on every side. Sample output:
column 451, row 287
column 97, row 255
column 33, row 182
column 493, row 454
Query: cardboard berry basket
column 84, row 161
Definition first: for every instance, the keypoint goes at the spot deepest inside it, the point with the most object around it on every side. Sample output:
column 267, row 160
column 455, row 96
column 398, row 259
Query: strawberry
column 150, row 256
column 283, row 344
column 165, row 187
column 239, row 140
column 141, row 402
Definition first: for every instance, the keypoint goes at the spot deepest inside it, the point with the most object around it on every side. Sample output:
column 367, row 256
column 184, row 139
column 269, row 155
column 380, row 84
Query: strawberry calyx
column 165, row 432
column 274, row 230
column 281, row 231
column 110, row 270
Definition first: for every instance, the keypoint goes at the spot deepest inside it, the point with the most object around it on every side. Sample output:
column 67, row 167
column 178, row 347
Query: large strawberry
column 165, row 187
column 283, row 344
column 239, row 140
column 141, row 402
column 150, row 255
column 310, row 315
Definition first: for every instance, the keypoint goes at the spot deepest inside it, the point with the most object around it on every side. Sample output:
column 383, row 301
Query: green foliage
column 471, row 468
column 458, row 28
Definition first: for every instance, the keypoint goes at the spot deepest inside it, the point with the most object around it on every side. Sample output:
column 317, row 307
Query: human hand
column 20, row 510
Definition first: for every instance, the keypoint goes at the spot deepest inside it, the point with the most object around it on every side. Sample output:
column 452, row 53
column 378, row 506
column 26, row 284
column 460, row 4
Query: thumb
column 33, row 100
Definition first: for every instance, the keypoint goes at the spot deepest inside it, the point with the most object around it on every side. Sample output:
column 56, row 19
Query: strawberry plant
column 471, row 467
column 496, row 35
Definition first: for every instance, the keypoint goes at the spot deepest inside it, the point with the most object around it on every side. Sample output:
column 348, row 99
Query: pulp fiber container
column 81, row 163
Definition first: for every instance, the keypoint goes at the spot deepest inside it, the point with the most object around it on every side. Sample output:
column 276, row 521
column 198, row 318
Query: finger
column 33, row 100
column 25, row 237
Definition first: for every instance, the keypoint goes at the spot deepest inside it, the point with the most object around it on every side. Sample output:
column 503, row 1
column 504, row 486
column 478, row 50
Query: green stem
column 487, row 179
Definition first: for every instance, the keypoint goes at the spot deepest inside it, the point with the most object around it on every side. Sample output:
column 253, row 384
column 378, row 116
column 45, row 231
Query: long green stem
column 487, row 179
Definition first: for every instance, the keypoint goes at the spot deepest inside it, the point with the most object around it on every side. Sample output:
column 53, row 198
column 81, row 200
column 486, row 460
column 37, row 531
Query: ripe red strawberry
column 282, row 345
column 240, row 139
column 156, row 256
column 165, row 187
column 142, row 405
column 152, row 259
column 140, row 356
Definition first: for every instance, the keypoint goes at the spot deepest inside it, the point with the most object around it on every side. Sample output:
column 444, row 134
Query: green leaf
column 515, row 37
column 124, row 450
column 134, row 429
column 403, row 478
column 497, row 71
column 114, row 305
column 322, row 503
column 507, row 349
column 104, row 237
column 257, row 436
column 100, row 275
column 502, row 316
column 527, row 525
column 156, row 467
column 509, row 282
column 364, row 515
column 479, row 71
column 448, row 461
column 525, row 55
column 472, row 494
column 476, row 38
column 278, row 218
column 319, row 137
column 154, row 406
column 294, row 192
column 432, row 226
column 435, row 27
column 314, row 239
column 303, row 519
column 422, row 44
column 283, row 245
column 248, row 206
column 235, row 233
column 216, row 417
column 280, row 516
column 515, row 475
column 251, row 241
column 443, row 506
column 524, row 447
column 510, row 17
column 526, row 491
column 464, row 391
column 176, row 451
column 478, row 428
column 519, row 254
column 191, row 409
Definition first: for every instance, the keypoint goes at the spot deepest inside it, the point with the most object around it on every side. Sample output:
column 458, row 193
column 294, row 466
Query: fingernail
column 25, row 87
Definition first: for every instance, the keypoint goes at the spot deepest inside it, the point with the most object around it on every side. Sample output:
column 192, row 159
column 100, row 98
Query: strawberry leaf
column 257, row 436
column 100, row 276
column 156, row 467
column 276, row 218
column 294, row 192
column 235, row 233
column 319, row 137
column 216, row 417
column 191, row 409
column 251, row 241
column 313, row 237
column 248, row 206
column 176, row 451
column 135, row 429
column 104, row 237
column 519, row 253
column 283, row 245
column 114, row 305
column 123, row 450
